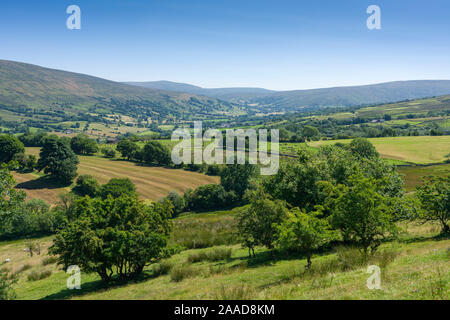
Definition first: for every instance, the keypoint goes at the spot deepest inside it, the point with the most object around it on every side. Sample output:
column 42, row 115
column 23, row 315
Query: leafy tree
column 83, row 145
column 237, row 178
column 213, row 170
column 87, row 185
column 257, row 222
column 363, row 215
column 57, row 159
column 10, row 200
column 305, row 232
column 434, row 195
column 310, row 133
column 178, row 202
column 206, row 197
column 26, row 162
column 117, row 187
column 363, row 148
column 114, row 236
column 9, row 147
column 109, row 153
column 155, row 152
column 127, row 148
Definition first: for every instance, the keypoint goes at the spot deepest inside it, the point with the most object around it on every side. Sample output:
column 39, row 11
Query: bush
column 87, row 185
column 6, row 283
column 27, row 163
column 177, row 201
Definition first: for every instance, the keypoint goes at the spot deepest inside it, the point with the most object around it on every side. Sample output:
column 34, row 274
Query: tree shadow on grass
column 45, row 182
column 99, row 286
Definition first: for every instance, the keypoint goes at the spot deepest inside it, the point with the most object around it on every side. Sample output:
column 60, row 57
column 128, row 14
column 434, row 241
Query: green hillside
column 32, row 92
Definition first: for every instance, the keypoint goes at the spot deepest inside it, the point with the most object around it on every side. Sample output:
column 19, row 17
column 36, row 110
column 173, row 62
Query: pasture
column 413, row 267
column 418, row 150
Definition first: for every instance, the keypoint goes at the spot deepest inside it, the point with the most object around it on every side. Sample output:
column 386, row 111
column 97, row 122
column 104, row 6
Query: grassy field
column 151, row 183
column 419, row 150
column 414, row 267
column 415, row 174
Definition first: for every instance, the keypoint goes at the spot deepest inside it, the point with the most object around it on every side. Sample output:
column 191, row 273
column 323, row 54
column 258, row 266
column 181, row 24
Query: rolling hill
column 294, row 100
column 228, row 94
column 30, row 90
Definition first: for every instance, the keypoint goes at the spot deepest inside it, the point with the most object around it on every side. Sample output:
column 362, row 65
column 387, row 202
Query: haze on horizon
column 278, row 45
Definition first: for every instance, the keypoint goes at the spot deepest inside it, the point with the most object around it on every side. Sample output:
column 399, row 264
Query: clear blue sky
column 218, row 43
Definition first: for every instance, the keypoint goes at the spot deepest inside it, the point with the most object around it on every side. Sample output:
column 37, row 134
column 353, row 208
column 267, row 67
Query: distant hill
column 229, row 94
column 33, row 88
column 339, row 96
column 356, row 95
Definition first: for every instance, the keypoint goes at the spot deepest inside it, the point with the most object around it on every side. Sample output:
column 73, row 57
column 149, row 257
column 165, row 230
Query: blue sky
column 278, row 44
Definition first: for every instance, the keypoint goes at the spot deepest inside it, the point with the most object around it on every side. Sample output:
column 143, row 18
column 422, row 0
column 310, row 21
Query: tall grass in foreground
column 346, row 259
column 204, row 233
column 216, row 254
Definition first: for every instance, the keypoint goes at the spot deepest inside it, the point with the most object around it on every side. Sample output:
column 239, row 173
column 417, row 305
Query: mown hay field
column 152, row 183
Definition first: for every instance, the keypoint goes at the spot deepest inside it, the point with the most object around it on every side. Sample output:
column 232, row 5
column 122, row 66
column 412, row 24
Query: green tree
column 9, row 147
column 83, row 145
column 87, row 185
column 178, row 202
column 155, row 152
column 114, row 236
column 206, row 197
column 363, row 148
column 57, row 159
column 127, row 148
column 363, row 215
column 237, row 178
column 305, row 232
column 310, row 133
column 117, row 187
column 434, row 196
column 257, row 222
column 10, row 200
